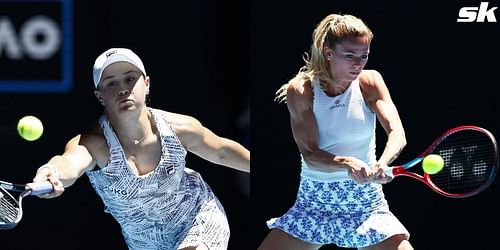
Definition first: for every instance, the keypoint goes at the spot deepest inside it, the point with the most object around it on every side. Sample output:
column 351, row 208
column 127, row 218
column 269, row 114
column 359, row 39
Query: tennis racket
column 11, row 210
column 470, row 157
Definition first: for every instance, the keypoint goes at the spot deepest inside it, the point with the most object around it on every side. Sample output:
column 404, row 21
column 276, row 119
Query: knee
column 277, row 239
column 395, row 242
column 400, row 242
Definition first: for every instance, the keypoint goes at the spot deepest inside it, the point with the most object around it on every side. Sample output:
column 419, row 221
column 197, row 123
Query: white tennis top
column 346, row 127
column 169, row 208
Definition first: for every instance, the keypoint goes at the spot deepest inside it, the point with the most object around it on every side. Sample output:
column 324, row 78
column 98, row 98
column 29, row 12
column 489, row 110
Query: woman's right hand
column 48, row 174
column 358, row 170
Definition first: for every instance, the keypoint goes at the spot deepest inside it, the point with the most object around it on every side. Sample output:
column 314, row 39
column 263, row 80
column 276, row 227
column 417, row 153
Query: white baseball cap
column 115, row 55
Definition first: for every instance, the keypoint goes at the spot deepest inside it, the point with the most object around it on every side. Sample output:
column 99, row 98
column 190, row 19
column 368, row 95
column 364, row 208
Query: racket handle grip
column 41, row 187
column 388, row 171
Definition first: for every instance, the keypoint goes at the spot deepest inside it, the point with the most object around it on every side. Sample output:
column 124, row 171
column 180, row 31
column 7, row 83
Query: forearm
column 66, row 174
column 234, row 155
column 396, row 141
column 325, row 162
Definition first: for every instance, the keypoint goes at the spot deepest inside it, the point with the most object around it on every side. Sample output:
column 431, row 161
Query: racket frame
column 426, row 178
column 24, row 190
column 4, row 225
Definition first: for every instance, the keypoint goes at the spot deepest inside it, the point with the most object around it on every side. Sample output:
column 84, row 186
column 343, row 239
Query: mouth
column 125, row 100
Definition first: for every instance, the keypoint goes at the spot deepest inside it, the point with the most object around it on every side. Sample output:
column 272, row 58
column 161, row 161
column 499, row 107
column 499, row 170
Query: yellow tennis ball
column 432, row 164
column 30, row 128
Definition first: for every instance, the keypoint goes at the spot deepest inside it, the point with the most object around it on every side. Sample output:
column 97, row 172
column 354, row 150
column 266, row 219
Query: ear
column 327, row 52
column 97, row 94
column 147, row 81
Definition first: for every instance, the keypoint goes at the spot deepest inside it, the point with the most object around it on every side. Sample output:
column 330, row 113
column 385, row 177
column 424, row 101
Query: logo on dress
column 170, row 169
column 118, row 191
column 337, row 105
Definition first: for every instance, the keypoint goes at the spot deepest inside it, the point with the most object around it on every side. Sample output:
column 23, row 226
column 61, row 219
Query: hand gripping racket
column 470, row 157
column 11, row 210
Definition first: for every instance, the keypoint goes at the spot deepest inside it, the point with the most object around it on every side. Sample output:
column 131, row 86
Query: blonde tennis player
column 334, row 104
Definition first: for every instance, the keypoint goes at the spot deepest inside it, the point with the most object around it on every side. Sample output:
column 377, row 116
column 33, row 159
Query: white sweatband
column 51, row 167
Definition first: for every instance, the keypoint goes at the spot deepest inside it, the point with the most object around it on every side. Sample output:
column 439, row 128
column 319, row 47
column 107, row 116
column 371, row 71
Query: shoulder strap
column 108, row 132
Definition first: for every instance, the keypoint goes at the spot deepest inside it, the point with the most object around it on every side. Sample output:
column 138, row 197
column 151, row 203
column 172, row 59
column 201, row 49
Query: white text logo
column 477, row 14
column 29, row 38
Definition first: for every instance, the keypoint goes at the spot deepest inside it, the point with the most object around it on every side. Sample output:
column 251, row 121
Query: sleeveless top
column 329, row 208
column 346, row 126
column 157, row 210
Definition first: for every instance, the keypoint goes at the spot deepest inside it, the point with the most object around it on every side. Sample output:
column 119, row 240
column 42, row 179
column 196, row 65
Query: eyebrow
column 356, row 53
column 125, row 73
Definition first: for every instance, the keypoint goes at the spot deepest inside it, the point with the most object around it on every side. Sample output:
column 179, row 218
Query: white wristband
column 51, row 167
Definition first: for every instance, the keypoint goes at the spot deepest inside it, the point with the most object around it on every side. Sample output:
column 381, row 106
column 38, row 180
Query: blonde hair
column 332, row 30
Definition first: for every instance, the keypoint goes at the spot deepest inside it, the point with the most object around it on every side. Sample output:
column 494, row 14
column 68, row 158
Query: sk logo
column 477, row 14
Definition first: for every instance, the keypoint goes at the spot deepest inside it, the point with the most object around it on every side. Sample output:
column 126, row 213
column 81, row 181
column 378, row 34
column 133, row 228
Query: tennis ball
column 30, row 128
column 432, row 164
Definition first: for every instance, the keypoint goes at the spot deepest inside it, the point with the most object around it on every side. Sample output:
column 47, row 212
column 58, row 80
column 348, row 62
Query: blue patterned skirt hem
column 343, row 213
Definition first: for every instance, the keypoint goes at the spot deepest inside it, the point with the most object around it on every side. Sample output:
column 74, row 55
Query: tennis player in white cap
column 134, row 157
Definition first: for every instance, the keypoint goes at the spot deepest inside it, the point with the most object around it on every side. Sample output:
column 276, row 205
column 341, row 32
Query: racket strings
column 9, row 209
column 470, row 162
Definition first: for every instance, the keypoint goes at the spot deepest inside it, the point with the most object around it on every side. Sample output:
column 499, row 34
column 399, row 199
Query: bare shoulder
column 299, row 96
column 298, row 88
column 92, row 137
column 93, row 141
column 372, row 85
column 370, row 78
column 187, row 128
column 181, row 123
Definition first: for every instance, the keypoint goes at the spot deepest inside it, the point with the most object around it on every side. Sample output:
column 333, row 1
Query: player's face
column 349, row 58
column 122, row 87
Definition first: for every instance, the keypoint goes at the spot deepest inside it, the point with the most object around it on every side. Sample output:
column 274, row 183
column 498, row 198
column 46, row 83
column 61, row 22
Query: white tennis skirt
column 343, row 213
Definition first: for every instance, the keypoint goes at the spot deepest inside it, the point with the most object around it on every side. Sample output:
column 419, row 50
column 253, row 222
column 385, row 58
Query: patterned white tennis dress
column 170, row 208
column 329, row 210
